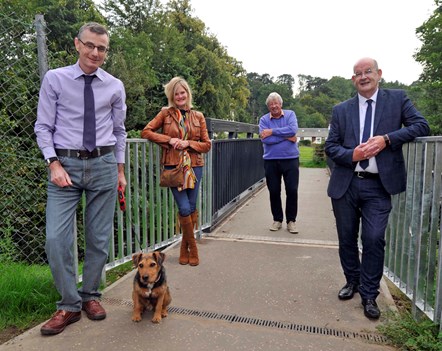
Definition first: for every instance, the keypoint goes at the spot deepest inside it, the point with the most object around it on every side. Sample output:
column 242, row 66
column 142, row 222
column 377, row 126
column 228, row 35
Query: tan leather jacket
column 197, row 135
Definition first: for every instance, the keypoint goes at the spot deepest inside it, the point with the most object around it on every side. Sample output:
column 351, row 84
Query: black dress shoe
column 347, row 291
column 371, row 309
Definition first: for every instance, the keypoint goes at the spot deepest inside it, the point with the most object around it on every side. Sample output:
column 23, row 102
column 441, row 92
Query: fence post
column 42, row 49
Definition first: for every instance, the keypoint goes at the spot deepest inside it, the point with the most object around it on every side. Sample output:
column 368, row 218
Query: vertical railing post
column 42, row 48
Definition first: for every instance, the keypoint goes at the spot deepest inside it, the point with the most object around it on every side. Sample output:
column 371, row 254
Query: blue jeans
column 289, row 171
column 98, row 178
column 186, row 199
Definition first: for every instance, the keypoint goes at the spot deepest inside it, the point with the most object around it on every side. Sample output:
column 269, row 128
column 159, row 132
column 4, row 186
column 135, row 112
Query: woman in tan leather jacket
column 184, row 138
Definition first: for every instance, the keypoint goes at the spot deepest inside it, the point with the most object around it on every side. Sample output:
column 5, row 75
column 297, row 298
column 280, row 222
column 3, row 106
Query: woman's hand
column 179, row 144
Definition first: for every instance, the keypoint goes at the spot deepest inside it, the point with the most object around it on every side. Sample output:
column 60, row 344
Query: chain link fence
column 23, row 174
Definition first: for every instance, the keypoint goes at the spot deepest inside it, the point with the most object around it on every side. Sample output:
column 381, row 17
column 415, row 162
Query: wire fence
column 23, row 174
column 23, row 63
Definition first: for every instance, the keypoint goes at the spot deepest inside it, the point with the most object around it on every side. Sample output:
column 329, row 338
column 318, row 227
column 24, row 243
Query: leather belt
column 367, row 175
column 84, row 154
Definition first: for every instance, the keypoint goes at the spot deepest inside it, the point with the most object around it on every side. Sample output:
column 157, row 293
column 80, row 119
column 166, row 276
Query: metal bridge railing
column 413, row 237
column 233, row 170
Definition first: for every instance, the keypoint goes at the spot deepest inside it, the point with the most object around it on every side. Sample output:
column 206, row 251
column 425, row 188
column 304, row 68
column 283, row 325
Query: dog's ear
column 136, row 258
column 160, row 257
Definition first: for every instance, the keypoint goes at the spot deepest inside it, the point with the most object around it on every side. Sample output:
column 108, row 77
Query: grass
column 406, row 333
column 118, row 272
column 307, row 159
column 27, row 295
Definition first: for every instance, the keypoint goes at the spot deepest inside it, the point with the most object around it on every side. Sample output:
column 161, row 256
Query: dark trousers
column 367, row 204
column 289, row 171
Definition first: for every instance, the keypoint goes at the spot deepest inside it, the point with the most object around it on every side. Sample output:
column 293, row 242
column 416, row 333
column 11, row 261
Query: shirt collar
column 78, row 72
column 363, row 100
column 282, row 115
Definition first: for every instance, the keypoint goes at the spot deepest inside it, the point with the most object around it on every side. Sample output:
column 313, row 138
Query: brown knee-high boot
column 193, row 256
column 187, row 229
column 184, row 249
column 194, row 216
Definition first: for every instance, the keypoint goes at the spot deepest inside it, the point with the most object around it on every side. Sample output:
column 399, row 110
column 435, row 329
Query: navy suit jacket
column 396, row 116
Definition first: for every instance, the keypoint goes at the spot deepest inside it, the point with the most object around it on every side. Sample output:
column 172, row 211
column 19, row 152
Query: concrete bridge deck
column 253, row 290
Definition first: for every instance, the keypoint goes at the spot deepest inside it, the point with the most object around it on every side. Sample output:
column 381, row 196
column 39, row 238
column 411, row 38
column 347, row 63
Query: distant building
column 315, row 135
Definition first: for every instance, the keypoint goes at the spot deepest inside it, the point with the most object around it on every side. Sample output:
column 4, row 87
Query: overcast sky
column 321, row 38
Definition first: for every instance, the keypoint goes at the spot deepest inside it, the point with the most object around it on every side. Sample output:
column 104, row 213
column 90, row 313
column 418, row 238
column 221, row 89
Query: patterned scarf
column 185, row 161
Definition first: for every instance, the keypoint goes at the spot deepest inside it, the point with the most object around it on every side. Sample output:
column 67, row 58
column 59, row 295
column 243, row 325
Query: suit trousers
column 288, row 169
column 366, row 205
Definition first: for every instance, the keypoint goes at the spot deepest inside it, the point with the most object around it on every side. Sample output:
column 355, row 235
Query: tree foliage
column 152, row 42
column 429, row 88
column 261, row 86
column 149, row 44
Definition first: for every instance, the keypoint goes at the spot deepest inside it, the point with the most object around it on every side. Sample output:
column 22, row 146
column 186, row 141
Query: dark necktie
column 89, row 137
column 366, row 132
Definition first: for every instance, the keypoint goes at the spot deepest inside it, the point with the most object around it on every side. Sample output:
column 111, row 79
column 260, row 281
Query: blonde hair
column 171, row 87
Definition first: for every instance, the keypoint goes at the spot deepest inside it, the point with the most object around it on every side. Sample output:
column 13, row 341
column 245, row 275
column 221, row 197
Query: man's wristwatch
column 387, row 140
column 50, row 160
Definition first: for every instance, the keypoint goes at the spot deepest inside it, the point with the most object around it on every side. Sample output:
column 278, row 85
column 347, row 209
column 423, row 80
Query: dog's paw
column 164, row 314
column 156, row 319
column 136, row 318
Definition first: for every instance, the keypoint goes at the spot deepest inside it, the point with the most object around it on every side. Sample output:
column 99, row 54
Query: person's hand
column 179, row 144
column 121, row 176
column 58, row 175
column 265, row 133
column 174, row 142
column 369, row 149
column 293, row 139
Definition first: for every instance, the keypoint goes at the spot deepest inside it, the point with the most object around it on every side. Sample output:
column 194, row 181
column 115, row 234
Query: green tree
column 262, row 85
column 151, row 44
column 135, row 15
column 217, row 79
column 430, row 56
column 308, row 83
column 338, row 89
column 64, row 19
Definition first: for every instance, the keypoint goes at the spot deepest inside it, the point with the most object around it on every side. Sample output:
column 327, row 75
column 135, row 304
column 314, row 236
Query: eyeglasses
column 91, row 47
column 367, row 73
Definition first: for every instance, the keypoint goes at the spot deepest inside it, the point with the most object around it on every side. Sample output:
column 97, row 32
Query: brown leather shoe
column 94, row 310
column 59, row 321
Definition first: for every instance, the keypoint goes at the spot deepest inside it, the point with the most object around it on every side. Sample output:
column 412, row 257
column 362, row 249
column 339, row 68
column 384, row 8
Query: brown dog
column 150, row 290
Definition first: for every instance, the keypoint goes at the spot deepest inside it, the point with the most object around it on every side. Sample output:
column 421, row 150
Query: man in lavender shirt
column 74, row 170
column 277, row 130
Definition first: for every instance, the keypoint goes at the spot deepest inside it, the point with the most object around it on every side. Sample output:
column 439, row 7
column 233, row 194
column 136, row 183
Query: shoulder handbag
column 172, row 178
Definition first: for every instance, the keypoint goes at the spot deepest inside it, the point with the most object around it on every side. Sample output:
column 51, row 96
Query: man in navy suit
column 366, row 173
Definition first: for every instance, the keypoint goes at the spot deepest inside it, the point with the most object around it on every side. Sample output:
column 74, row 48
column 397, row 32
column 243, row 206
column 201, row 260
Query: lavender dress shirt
column 60, row 111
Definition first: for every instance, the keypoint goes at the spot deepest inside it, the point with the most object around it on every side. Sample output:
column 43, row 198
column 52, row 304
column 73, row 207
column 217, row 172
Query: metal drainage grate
column 233, row 318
